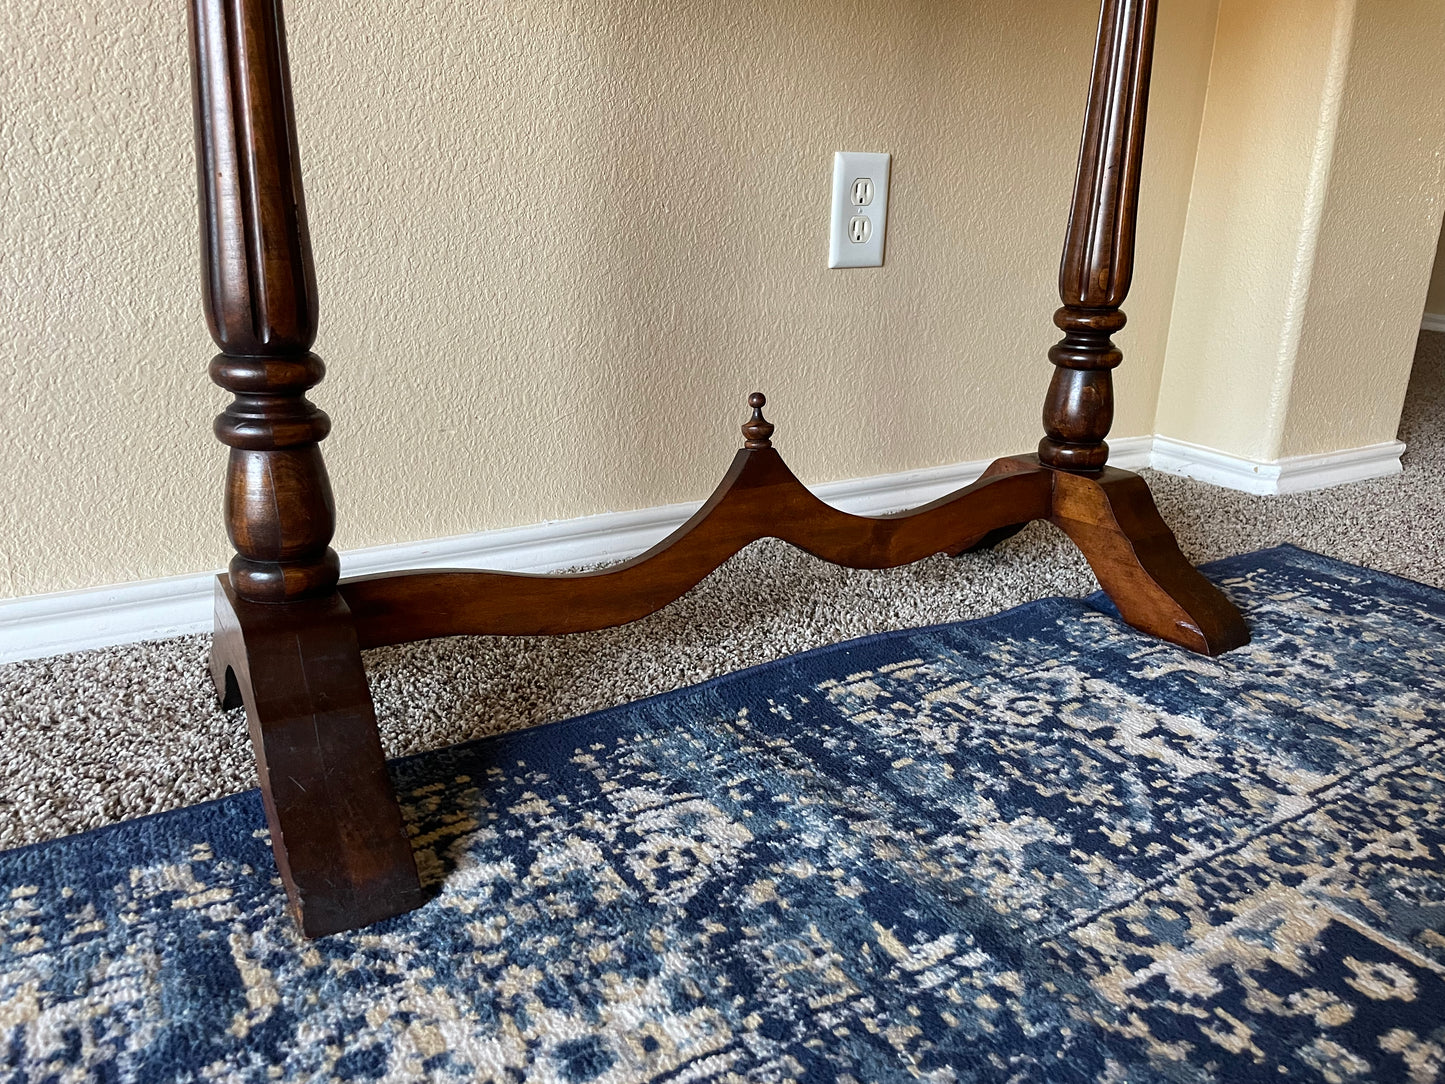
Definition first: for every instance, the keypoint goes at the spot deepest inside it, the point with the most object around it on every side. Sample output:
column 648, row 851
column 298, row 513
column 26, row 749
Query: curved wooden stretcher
column 289, row 631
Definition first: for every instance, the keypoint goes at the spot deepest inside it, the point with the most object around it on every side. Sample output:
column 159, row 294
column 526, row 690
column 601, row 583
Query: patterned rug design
column 1038, row 847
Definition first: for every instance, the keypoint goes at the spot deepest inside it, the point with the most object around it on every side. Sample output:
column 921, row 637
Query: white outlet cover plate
column 849, row 167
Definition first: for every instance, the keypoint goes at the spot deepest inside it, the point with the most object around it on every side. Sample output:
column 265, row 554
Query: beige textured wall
column 1312, row 226
column 557, row 244
column 1377, row 235
column 1435, row 299
column 1263, row 169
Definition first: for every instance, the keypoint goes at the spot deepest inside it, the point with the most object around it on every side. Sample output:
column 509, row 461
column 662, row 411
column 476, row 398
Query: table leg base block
column 1111, row 516
column 337, row 832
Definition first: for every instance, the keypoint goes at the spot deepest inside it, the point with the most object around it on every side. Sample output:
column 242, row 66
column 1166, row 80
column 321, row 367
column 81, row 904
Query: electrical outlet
column 860, row 209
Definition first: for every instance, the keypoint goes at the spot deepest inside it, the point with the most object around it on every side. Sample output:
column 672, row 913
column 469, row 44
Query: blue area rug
column 1035, row 847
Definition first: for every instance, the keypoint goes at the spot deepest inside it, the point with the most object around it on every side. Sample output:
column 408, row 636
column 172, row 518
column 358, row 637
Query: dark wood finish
column 1098, row 261
column 288, row 638
column 337, row 833
column 1112, row 518
column 259, row 287
column 284, row 640
column 758, row 498
column 758, row 431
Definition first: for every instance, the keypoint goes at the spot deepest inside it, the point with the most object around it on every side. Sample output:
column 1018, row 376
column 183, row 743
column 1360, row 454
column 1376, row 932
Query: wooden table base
column 289, row 635
column 335, row 824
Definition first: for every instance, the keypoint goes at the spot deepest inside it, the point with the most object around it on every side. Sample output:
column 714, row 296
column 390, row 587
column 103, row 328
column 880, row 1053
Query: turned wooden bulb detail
column 1098, row 260
column 259, row 290
column 757, row 430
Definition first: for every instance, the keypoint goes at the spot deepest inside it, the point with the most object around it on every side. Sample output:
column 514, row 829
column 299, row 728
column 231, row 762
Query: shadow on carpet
column 1039, row 846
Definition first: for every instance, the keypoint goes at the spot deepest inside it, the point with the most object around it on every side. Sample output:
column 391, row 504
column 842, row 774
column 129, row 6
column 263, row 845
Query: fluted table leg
column 1098, row 261
column 285, row 642
column 1108, row 513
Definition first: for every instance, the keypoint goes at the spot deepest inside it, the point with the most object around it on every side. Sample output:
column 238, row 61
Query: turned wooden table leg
column 1110, row 514
column 1098, row 261
column 284, row 641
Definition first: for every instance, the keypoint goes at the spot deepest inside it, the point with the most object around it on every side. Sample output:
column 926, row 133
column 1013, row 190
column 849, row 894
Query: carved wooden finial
column 758, row 429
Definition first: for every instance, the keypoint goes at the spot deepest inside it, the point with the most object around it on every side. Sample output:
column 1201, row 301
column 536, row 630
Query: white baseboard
column 36, row 626
column 1432, row 321
column 1292, row 474
column 41, row 625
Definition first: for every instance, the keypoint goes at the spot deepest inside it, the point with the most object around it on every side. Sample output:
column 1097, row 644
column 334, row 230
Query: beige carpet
column 99, row 736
